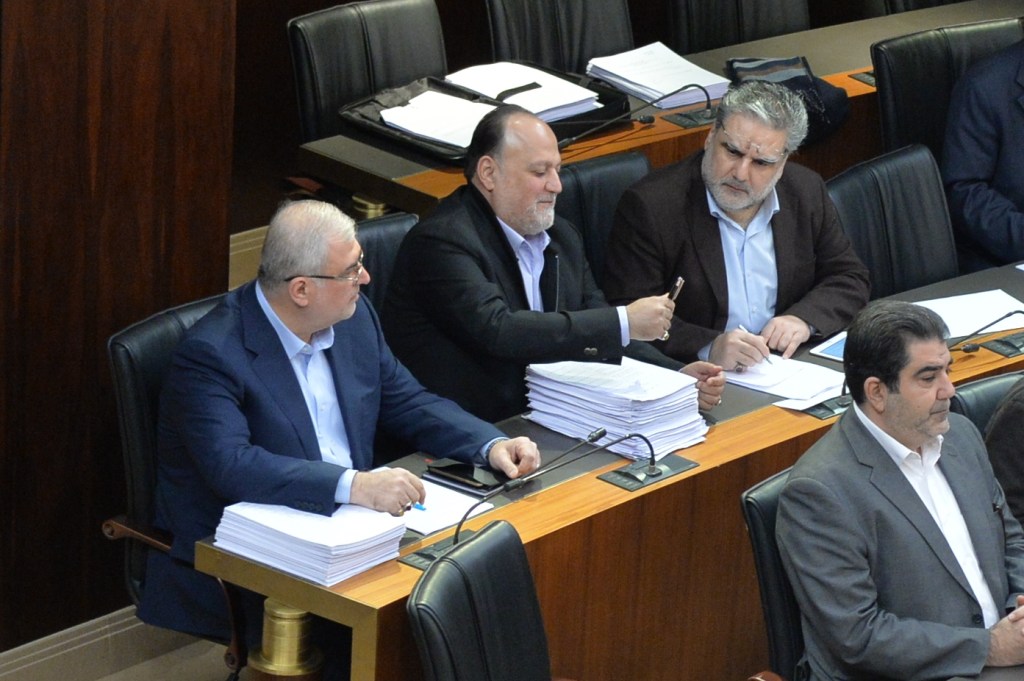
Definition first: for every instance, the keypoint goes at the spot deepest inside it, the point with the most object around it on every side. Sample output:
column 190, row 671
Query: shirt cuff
column 623, row 325
column 344, row 490
column 481, row 457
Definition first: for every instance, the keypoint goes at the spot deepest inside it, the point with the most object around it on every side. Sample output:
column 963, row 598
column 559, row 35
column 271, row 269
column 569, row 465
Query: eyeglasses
column 356, row 272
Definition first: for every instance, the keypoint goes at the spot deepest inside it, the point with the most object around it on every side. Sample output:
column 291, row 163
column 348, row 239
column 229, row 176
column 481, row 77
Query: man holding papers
column 274, row 398
column 493, row 281
column 764, row 257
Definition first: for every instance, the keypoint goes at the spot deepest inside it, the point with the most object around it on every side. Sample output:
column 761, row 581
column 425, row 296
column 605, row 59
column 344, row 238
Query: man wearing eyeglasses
column 274, row 397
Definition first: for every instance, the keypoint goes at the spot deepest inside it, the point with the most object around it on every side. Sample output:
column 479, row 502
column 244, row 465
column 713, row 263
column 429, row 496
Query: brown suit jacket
column 663, row 230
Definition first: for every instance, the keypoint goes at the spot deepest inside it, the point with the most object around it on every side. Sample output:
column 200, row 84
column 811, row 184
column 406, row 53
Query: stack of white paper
column 322, row 549
column 550, row 97
column 654, row 71
column 575, row 398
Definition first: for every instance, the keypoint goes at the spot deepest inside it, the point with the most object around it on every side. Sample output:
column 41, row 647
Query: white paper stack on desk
column 653, row 71
column 575, row 398
column 322, row 549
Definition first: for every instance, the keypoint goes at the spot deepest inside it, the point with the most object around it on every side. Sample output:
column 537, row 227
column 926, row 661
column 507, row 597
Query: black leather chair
column 698, row 25
column 978, row 399
column 878, row 8
column 915, row 75
column 893, row 209
column 760, row 505
column 475, row 615
column 380, row 238
column 558, row 34
column 139, row 357
column 591, row 190
column 341, row 54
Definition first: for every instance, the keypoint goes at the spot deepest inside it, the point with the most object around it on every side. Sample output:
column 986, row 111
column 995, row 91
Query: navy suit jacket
column 983, row 157
column 881, row 593
column 234, row 427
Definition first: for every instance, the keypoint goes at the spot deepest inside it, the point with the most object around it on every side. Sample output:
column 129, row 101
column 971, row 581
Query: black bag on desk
column 364, row 114
column 827, row 105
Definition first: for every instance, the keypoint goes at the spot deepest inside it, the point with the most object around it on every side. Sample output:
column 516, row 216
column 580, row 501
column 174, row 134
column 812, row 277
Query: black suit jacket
column 663, row 229
column 457, row 316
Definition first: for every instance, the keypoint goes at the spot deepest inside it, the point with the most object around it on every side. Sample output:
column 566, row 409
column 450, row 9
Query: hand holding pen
column 672, row 295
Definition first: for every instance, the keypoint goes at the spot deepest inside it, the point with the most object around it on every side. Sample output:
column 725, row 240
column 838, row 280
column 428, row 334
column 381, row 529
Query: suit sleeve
column 826, row 555
column 1003, row 439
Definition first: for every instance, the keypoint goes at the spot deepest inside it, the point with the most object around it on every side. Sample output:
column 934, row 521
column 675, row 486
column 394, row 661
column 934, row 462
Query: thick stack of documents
column 575, row 398
column 322, row 549
column 550, row 97
column 653, row 72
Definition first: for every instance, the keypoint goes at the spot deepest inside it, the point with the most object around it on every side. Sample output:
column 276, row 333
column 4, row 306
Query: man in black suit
column 493, row 281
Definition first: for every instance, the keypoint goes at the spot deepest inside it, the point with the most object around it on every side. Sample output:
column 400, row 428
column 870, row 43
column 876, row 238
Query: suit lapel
column 549, row 288
column 340, row 358
column 707, row 247
column 497, row 249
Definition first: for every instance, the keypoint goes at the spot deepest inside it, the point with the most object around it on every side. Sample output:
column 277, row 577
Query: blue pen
column 419, row 507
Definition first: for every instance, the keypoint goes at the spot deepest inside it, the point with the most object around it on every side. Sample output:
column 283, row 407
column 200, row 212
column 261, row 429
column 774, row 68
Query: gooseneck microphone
column 966, row 346
column 646, row 119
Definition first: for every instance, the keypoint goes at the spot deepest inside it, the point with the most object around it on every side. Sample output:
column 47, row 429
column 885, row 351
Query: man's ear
column 298, row 291
column 875, row 394
column 485, row 169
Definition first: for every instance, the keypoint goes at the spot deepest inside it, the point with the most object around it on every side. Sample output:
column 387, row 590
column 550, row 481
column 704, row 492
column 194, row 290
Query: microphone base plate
column 692, row 119
column 634, row 476
column 1007, row 346
column 423, row 558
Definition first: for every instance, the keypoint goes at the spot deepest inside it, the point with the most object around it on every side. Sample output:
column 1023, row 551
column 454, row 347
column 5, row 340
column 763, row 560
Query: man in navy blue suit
column 275, row 396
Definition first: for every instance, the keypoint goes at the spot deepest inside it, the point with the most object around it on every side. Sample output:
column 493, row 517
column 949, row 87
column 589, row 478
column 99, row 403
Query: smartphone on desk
column 464, row 476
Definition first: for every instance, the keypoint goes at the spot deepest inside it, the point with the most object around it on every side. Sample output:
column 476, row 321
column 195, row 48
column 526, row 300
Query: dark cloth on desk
column 663, row 230
column 880, row 591
column 234, row 426
column 1004, row 438
column 457, row 313
column 983, row 157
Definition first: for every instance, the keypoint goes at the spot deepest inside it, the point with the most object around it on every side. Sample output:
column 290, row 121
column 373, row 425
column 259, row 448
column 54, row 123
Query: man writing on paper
column 903, row 554
column 493, row 281
column 766, row 263
column 274, row 397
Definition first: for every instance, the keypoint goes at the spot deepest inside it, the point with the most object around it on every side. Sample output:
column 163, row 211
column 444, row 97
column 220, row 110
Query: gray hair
column 775, row 105
column 299, row 238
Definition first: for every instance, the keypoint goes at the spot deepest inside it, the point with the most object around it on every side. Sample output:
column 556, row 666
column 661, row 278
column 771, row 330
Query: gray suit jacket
column 880, row 591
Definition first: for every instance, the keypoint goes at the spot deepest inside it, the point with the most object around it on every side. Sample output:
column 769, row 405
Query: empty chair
column 915, row 75
column 781, row 613
column 380, row 238
column 559, row 34
column 893, row 209
column 698, row 25
column 341, row 54
column 475, row 615
column 139, row 358
column 978, row 399
column 591, row 190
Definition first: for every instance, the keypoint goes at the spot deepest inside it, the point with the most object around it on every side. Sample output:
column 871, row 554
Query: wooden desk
column 655, row 584
column 415, row 183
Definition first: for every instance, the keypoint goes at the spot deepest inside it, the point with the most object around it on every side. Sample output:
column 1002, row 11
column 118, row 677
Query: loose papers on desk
column 322, row 549
column 790, row 378
column 965, row 314
column 550, row 97
column 575, row 398
column 653, row 71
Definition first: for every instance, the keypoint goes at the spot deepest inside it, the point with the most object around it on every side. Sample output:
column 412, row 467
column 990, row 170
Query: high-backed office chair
column 978, row 399
column 893, row 209
column 760, row 505
column 698, row 25
column 139, row 357
column 915, row 75
column 475, row 615
column 380, row 239
column 341, row 54
column 879, row 8
column 558, row 34
column 591, row 190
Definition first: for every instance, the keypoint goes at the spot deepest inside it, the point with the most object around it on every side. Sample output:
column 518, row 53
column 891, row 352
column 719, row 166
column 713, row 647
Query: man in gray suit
column 904, row 557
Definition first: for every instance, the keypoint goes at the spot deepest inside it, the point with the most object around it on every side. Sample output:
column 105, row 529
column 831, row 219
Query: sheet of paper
column 789, row 378
column 653, row 71
column 443, row 508
column 438, row 116
column 965, row 314
column 550, row 97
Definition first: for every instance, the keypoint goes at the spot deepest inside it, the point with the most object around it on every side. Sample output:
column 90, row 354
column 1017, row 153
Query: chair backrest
column 380, row 238
column 591, row 190
column 139, row 357
column 893, row 209
column 781, row 613
column 341, row 54
column 475, row 615
column 978, row 399
column 698, row 25
column 562, row 34
column 915, row 75
column 877, row 8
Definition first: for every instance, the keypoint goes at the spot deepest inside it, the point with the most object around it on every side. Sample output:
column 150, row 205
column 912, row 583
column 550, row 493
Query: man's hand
column 1006, row 644
column 786, row 334
column 737, row 350
column 710, row 383
column 391, row 490
column 514, row 457
column 650, row 318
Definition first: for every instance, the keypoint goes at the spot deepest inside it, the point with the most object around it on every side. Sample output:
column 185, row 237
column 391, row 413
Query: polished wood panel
column 115, row 150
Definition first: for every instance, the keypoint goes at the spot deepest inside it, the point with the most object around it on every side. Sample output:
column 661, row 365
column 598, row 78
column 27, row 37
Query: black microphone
column 963, row 345
column 646, row 119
